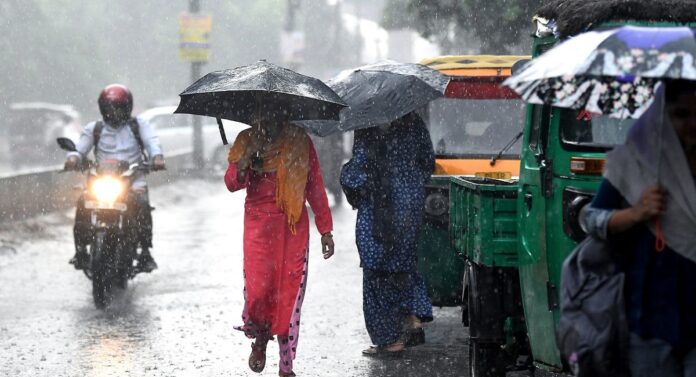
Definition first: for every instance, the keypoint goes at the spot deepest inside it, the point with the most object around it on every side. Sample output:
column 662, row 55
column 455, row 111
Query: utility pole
column 198, row 160
column 291, row 39
column 292, row 7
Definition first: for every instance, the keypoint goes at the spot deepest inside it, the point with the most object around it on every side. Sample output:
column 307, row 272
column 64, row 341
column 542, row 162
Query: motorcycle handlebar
column 145, row 167
column 83, row 166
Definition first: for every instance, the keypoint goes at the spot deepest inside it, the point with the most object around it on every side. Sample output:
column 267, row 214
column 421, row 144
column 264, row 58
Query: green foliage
column 498, row 26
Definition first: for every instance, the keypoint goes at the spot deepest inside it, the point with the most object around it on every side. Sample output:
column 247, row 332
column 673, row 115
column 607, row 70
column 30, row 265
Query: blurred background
column 58, row 54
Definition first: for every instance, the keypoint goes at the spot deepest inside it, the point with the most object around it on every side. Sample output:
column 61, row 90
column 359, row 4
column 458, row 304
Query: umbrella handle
column 659, row 237
column 222, row 131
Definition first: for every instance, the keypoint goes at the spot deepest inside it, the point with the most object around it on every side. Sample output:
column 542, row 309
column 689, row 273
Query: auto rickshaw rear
column 475, row 130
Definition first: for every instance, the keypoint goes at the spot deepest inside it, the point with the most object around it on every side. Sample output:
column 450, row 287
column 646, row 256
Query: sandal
column 257, row 358
column 385, row 351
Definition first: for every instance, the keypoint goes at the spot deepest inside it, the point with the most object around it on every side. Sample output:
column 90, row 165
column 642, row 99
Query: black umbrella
column 380, row 94
column 236, row 94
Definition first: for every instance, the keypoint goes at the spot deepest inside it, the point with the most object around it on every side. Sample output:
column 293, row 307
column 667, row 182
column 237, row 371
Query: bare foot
column 414, row 322
column 390, row 349
column 395, row 347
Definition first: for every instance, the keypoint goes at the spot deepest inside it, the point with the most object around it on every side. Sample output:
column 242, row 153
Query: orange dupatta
column 288, row 156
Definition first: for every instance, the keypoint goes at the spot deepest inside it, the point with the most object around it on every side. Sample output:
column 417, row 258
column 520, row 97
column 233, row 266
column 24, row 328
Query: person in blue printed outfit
column 385, row 180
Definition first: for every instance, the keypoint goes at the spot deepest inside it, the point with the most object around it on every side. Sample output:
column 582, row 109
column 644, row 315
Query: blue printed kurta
column 399, row 161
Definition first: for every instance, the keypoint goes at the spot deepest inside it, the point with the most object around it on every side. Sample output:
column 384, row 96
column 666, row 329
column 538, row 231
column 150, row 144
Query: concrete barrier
column 30, row 194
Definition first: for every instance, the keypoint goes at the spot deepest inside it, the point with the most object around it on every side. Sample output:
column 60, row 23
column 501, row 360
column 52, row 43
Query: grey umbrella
column 430, row 76
column 379, row 94
column 237, row 93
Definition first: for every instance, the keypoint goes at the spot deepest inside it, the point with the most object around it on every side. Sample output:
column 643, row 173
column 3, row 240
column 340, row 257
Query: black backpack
column 134, row 127
column 593, row 332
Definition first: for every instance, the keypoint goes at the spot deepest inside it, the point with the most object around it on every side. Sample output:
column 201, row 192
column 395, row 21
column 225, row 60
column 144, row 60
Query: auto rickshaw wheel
column 487, row 356
column 485, row 361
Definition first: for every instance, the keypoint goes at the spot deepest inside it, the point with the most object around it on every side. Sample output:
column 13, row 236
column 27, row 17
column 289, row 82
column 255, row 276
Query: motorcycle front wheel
column 101, row 274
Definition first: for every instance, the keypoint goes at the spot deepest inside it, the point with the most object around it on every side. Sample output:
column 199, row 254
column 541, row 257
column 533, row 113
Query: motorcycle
column 113, row 246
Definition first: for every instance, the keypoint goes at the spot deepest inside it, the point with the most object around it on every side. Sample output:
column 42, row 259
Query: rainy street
column 178, row 321
column 494, row 188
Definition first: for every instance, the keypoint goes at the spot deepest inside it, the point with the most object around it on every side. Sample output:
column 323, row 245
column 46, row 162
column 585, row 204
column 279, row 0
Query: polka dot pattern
column 390, row 171
column 407, row 165
column 388, row 298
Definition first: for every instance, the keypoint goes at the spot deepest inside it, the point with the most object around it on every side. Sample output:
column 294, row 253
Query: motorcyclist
column 120, row 137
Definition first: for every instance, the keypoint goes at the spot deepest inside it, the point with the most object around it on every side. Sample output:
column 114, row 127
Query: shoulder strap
column 132, row 124
column 135, row 129
column 96, row 132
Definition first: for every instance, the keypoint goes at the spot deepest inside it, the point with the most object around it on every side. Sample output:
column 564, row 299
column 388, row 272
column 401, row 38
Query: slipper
column 381, row 351
column 257, row 358
column 414, row 337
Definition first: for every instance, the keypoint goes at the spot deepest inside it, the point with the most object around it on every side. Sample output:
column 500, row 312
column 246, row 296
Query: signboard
column 194, row 30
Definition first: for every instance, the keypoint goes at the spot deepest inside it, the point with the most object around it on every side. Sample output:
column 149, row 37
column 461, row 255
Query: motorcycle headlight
column 107, row 189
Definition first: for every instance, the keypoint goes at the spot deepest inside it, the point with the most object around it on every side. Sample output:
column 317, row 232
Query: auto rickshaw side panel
column 441, row 267
column 483, row 220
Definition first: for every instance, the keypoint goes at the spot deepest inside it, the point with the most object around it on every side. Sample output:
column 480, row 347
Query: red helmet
column 115, row 104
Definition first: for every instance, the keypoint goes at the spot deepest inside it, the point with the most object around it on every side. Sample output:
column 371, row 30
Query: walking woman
column 277, row 165
column 385, row 180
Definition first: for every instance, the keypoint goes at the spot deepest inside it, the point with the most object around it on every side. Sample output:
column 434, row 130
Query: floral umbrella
column 614, row 72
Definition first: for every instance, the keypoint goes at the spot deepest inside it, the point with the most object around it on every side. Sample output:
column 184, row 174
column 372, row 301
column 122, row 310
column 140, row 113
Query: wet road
column 178, row 321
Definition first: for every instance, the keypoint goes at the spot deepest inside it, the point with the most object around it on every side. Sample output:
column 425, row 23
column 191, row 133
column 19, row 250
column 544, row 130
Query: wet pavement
column 178, row 320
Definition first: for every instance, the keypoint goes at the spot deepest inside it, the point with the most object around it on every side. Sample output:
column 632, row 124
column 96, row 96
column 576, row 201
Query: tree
column 493, row 26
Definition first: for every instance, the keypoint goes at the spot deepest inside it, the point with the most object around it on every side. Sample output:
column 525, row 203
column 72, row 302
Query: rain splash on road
column 178, row 320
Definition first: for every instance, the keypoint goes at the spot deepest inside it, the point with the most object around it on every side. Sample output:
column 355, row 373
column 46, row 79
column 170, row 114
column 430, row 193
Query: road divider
column 33, row 193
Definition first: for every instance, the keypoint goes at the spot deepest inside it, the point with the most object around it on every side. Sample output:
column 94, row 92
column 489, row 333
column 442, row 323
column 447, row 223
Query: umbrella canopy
column 430, row 76
column 379, row 94
column 237, row 93
column 576, row 16
column 611, row 72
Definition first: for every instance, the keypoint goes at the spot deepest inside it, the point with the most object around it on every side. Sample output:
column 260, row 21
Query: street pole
column 198, row 160
column 290, row 16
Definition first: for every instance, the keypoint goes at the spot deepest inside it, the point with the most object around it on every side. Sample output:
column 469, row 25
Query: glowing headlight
column 107, row 189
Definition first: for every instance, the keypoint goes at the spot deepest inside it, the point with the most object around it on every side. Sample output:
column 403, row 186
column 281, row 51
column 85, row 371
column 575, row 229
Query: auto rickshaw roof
column 474, row 65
